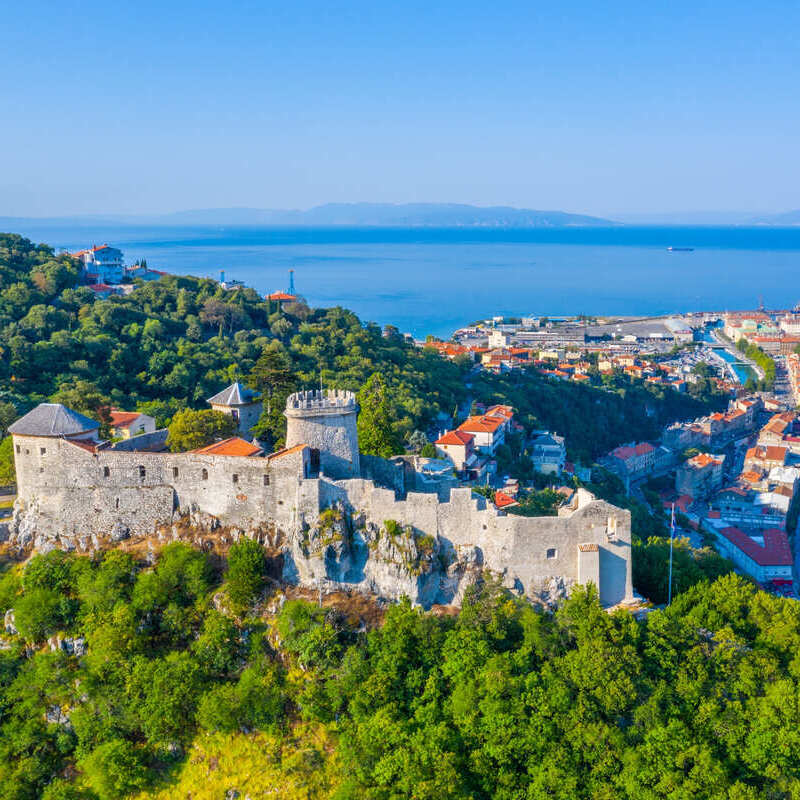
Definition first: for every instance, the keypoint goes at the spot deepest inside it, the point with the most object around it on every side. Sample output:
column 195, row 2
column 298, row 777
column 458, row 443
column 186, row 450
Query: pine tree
column 376, row 435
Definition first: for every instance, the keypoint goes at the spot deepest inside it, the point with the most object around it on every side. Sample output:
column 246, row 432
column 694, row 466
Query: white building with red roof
column 103, row 262
column 458, row 447
column 766, row 555
column 126, row 424
column 488, row 430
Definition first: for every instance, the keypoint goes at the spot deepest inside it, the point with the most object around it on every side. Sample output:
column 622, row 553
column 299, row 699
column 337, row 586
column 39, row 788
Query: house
column 126, row 424
column 498, row 338
column 765, row 556
column 243, row 404
column 281, row 297
column 489, row 431
column 779, row 425
column 548, row 452
column 700, row 476
column 142, row 272
column 765, row 457
column 458, row 447
column 750, row 508
column 632, row 462
column 102, row 261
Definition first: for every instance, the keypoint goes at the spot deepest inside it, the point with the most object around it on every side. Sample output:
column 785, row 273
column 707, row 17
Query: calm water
column 433, row 280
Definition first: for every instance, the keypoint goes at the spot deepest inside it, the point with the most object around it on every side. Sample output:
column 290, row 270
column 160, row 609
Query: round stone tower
column 326, row 422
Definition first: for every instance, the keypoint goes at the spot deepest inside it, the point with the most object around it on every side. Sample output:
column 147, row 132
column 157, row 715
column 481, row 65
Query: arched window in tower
column 204, row 474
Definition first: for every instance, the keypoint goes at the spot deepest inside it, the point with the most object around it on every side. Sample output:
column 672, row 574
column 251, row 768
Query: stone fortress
column 333, row 518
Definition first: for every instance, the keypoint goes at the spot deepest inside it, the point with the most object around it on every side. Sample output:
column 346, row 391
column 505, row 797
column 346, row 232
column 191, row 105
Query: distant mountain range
column 410, row 215
column 388, row 214
column 786, row 218
column 351, row 214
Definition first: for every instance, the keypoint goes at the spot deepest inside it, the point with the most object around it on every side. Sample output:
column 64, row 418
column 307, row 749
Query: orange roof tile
column 457, row 437
column 123, row 419
column 502, row 500
column 235, row 446
column 483, row 424
column 286, row 451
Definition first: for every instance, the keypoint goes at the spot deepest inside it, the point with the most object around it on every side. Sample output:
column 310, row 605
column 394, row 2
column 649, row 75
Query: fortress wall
column 383, row 471
column 71, row 495
column 517, row 546
column 72, row 490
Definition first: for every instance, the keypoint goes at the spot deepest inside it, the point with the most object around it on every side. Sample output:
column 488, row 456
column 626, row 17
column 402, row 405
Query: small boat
column 680, row 249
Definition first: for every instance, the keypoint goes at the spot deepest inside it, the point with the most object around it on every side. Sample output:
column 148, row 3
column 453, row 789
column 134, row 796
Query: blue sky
column 600, row 108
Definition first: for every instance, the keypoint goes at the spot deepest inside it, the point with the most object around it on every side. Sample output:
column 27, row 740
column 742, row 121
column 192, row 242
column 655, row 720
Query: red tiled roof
column 775, row 552
column 500, row 411
column 281, row 296
column 100, row 287
column 287, row 451
column 123, row 419
column 235, row 446
column 640, row 449
column 751, row 476
column 502, row 500
column 457, row 437
column 483, row 424
column 89, row 250
column 703, row 460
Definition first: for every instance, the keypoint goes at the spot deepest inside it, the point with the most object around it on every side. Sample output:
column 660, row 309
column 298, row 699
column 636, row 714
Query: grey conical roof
column 234, row 395
column 53, row 419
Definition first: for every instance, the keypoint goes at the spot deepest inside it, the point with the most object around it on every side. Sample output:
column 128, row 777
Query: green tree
column 163, row 695
column 8, row 474
column 247, row 569
column 115, row 769
column 376, row 434
column 8, row 413
column 191, row 429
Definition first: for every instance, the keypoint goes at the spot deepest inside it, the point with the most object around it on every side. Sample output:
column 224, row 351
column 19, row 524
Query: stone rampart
column 530, row 552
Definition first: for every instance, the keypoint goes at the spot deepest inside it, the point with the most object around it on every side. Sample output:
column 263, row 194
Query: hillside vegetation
column 184, row 693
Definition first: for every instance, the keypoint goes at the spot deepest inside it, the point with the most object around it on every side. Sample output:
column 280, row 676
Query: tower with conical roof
column 239, row 402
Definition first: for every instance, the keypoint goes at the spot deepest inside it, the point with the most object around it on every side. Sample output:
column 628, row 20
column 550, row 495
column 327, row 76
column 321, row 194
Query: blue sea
column 427, row 280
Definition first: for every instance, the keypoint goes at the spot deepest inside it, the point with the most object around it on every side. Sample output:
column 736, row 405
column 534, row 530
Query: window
column 266, row 480
column 42, row 451
column 106, row 472
column 205, row 474
column 142, row 473
column 18, row 450
column 235, row 414
column 235, row 478
column 551, row 552
column 117, row 503
column 174, row 472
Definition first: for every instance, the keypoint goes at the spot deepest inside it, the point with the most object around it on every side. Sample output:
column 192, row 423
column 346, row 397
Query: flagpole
column 671, row 534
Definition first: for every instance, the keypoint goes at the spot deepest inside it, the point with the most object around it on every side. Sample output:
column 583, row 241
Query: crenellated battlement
column 321, row 399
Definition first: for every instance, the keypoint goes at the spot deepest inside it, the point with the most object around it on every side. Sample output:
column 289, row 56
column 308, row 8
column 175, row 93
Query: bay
column 431, row 280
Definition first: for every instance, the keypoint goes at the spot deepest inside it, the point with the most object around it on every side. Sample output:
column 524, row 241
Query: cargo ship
column 680, row 249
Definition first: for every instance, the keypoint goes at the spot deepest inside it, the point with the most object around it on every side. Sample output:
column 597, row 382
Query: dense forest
column 172, row 343
column 181, row 679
